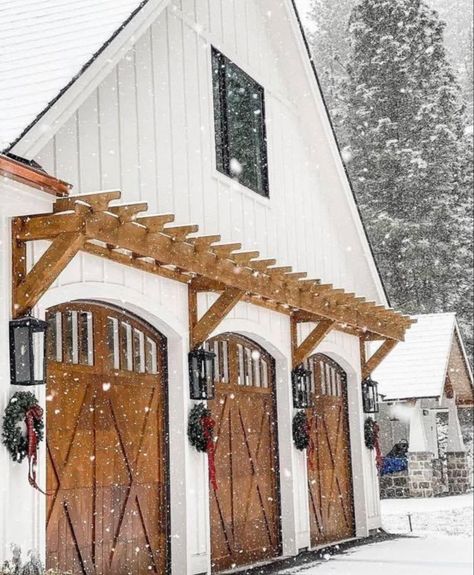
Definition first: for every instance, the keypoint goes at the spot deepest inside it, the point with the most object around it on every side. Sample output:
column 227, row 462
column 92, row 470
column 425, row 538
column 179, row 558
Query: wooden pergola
column 96, row 224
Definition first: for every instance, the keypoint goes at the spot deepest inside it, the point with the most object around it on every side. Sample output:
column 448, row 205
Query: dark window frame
column 221, row 123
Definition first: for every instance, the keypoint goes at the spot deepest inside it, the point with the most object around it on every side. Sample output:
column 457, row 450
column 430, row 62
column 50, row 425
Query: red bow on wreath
column 208, row 425
column 34, row 413
column 378, row 451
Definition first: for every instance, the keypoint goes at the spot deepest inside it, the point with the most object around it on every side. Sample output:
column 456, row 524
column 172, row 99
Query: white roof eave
column 48, row 122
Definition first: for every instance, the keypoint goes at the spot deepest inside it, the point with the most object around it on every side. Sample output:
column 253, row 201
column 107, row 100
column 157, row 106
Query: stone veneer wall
column 421, row 480
column 439, row 477
column 466, row 419
column 394, row 486
column 425, row 477
column 458, row 472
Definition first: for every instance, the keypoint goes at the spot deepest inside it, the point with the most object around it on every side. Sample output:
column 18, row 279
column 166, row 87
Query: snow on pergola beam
column 150, row 243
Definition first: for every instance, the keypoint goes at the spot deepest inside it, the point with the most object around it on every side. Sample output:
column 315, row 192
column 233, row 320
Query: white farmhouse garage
column 204, row 190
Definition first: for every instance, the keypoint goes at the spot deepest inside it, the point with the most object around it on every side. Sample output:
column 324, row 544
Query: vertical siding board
column 163, row 136
column 279, row 193
column 215, row 15
column 93, row 268
column 114, row 273
column 245, row 220
column 189, row 9
column 193, row 125
column 234, row 208
column 240, row 26
column 224, row 222
column 253, row 34
column 66, row 151
column 261, row 235
column 201, row 8
column 109, row 133
column 207, row 137
column 176, row 4
column 146, row 119
column 128, row 127
column 47, row 158
column 88, row 137
column 228, row 24
column 178, row 117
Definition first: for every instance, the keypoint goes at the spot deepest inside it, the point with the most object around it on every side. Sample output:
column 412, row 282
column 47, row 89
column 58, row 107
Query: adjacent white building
column 427, row 390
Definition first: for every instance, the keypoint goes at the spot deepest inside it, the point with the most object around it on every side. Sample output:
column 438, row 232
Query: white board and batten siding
column 149, row 130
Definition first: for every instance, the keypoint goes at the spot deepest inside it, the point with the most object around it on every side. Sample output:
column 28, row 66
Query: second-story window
column 239, row 116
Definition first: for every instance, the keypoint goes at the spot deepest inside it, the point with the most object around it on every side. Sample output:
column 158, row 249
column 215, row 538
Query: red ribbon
column 378, row 451
column 208, row 425
column 33, row 414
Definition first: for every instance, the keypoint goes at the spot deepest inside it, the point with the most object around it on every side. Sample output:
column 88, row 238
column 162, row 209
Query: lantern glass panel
column 38, row 355
column 22, row 354
column 27, row 351
column 301, row 387
column 209, row 374
column 201, row 374
column 370, row 396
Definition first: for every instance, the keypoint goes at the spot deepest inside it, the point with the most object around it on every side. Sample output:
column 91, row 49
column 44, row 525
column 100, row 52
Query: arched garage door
column 245, row 510
column 329, row 464
column 106, row 443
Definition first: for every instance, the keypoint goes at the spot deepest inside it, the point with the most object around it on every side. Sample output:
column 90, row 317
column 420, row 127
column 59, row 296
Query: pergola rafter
column 118, row 233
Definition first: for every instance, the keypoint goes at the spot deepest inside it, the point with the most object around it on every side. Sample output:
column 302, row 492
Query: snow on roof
column 417, row 367
column 43, row 45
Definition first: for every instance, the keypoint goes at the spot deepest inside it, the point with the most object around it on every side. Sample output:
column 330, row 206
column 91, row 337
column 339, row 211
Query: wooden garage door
column 329, row 466
column 245, row 510
column 106, row 443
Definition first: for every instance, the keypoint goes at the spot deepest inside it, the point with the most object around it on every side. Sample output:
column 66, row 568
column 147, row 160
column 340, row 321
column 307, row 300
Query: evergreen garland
column 12, row 436
column 301, row 430
column 196, row 433
column 370, row 432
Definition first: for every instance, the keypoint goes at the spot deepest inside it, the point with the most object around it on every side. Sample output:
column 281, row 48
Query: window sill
column 232, row 184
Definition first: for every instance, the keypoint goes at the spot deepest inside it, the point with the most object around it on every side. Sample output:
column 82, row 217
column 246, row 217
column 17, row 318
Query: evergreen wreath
column 201, row 436
column 197, row 437
column 301, row 430
column 370, row 433
column 16, row 412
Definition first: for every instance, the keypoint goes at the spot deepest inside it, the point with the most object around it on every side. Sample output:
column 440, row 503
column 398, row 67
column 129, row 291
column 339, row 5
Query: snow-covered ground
column 440, row 515
column 440, row 544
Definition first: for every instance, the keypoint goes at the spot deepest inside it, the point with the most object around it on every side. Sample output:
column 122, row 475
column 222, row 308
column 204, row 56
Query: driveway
column 439, row 542
column 407, row 556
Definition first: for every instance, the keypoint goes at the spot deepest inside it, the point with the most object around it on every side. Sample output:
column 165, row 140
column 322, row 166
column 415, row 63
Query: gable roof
column 69, row 46
column 418, row 366
column 44, row 47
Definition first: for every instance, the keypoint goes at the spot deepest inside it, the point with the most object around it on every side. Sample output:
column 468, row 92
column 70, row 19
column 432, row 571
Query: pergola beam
column 27, row 292
column 302, row 351
column 376, row 359
column 97, row 201
column 201, row 329
column 217, row 265
column 146, row 243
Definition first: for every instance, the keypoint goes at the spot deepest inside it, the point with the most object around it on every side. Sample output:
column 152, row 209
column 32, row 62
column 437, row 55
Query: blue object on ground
column 393, row 465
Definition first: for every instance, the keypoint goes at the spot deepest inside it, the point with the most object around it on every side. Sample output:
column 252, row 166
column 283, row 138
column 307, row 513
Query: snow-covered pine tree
column 410, row 155
column 329, row 42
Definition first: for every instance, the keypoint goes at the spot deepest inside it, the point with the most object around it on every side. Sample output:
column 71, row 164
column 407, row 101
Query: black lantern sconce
column 201, row 374
column 370, row 395
column 301, row 382
column 28, row 351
